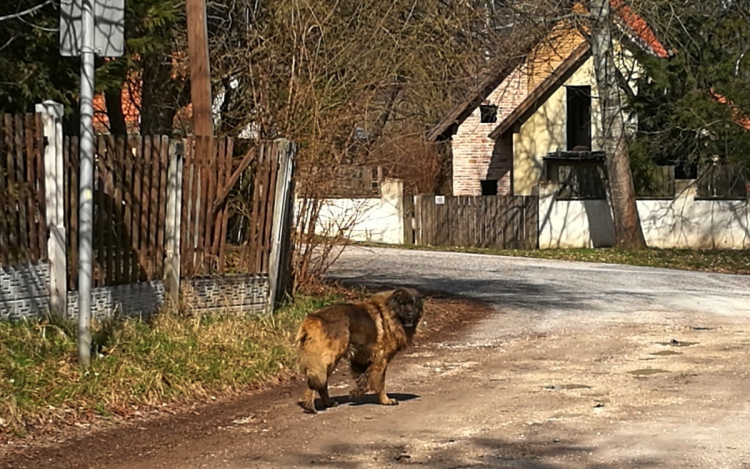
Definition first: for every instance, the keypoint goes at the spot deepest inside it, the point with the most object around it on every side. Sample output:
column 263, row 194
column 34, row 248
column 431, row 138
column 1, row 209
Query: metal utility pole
column 200, row 70
column 88, row 27
column 86, row 188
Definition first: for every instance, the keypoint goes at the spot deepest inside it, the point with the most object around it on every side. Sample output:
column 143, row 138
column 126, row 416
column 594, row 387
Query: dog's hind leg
column 359, row 373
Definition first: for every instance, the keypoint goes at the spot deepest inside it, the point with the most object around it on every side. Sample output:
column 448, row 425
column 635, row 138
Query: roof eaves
column 463, row 109
column 545, row 88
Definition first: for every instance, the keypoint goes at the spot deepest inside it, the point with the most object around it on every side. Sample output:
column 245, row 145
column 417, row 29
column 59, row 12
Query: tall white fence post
column 52, row 113
column 174, row 215
column 283, row 214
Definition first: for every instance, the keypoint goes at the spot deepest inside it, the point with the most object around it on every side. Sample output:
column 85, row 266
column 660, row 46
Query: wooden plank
column 514, row 222
column 270, row 200
column 41, row 184
column 501, row 221
column 131, row 261
column 214, row 148
column 262, row 178
column 111, row 211
column 154, row 202
column 12, row 217
column 253, row 236
column 204, row 225
column 195, row 215
column 100, row 211
column 490, row 221
column 162, row 214
column 121, row 242
column 22, row 194
column 145, row 195
column 225, row 215
column 4, row 196
column 136, row 144
column 216, row 216
column 30, row 163
column 187, row 207
column 231, row 181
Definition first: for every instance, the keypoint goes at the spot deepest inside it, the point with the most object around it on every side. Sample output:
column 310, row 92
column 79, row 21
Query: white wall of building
column 379, row 220
column 684, row 222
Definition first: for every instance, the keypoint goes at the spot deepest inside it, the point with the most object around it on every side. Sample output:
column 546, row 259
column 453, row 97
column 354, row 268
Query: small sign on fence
column 440, row 200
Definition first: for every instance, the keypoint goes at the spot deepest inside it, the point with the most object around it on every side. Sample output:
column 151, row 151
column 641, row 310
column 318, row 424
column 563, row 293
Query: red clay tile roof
column 639, row 26
column 739, row 118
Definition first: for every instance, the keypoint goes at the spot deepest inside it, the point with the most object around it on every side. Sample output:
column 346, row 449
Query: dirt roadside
column 112, row 443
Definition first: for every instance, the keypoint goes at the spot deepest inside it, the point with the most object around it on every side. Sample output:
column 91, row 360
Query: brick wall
column 475, row 156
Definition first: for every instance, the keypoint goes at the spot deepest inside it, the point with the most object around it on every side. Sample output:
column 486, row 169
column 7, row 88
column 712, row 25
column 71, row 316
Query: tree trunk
column 158, row 102
column 113, row 101
column 628, row 232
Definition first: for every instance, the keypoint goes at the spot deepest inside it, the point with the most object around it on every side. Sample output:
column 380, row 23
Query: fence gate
column 501, row 222
column 226, row 199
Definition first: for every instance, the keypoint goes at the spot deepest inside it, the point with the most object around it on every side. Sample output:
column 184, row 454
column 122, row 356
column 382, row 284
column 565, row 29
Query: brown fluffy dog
column 369, row 332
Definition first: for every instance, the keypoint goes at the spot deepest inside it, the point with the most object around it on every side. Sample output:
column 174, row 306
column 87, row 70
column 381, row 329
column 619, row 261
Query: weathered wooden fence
column 23, row 227
column 130, row 193
column 165, row 211
column 222, row 200
column 656, row 182
column 503, row 222
column 723, row 181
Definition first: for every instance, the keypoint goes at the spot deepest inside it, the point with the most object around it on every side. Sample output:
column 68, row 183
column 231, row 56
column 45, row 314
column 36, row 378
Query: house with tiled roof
column 538, row 112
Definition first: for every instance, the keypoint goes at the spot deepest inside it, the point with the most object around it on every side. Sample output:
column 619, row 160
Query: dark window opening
column 579, row 118
column 488, row 113
column 489, row 187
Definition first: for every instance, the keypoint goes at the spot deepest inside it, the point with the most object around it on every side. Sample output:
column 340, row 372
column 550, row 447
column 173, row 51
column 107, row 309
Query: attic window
column 487, row 113
column 579, row 118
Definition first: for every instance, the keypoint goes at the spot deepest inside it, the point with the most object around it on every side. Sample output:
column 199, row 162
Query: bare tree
column 628, row 232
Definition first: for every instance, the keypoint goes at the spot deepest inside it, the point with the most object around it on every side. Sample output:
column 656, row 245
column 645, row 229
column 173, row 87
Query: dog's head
column 406, row 304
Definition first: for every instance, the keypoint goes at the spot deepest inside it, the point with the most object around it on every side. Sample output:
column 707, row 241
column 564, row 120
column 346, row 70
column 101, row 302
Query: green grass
column 724, row 261
column 170, row 359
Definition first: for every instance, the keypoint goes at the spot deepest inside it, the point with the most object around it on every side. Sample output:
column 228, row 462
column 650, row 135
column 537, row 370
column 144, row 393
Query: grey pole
column 86, row 189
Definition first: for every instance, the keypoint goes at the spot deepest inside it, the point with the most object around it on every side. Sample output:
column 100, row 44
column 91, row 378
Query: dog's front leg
column 376, row 381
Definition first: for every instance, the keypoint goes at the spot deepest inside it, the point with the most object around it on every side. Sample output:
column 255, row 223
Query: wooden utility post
column 200, row 70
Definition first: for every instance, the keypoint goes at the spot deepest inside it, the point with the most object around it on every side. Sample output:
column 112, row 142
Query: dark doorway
column 579, row 118
column 489, row 187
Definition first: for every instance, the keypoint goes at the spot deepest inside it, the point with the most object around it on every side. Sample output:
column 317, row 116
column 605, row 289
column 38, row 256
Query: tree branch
column 25, row 12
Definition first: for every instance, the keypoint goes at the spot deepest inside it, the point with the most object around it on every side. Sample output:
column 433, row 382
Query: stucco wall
column 680, row 223
column 365, row 219
column 545, row 131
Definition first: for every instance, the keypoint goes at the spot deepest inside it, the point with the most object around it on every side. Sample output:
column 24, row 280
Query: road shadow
column 367, row 399
column 513, row 293
column 465, row 453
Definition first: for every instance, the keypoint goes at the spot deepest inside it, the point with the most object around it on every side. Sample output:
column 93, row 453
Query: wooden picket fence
column 130, row 191
column 222, row 200
column 23, row 227
column 501, row 222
